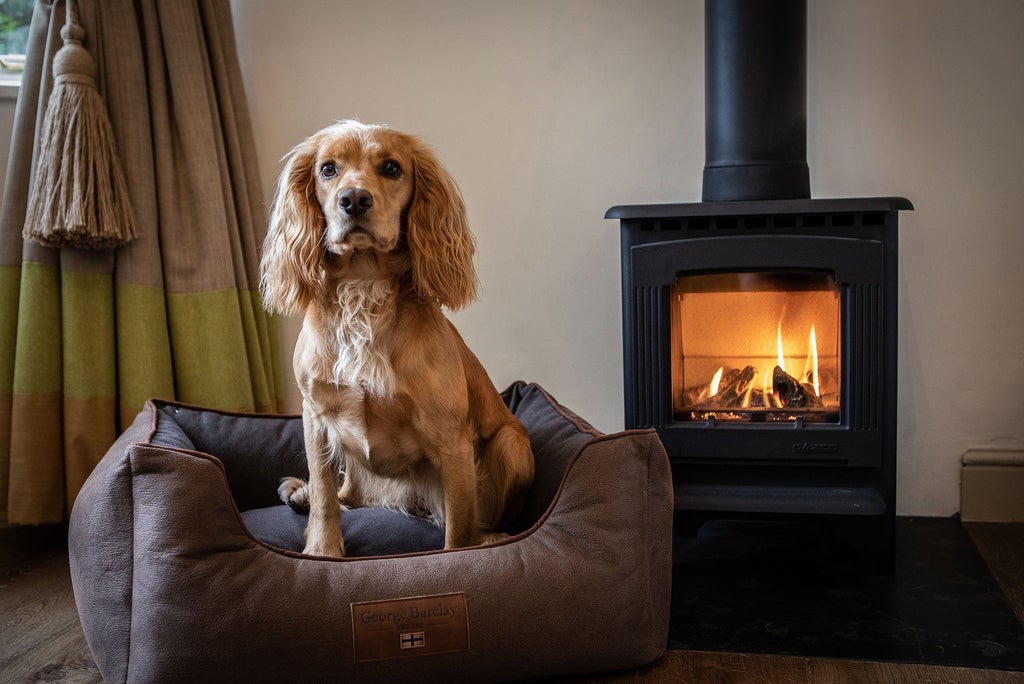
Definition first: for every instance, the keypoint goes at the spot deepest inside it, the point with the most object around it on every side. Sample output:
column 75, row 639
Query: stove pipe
column 755, row 67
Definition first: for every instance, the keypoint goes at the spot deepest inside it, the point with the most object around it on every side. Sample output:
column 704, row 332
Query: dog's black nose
column 355, row 201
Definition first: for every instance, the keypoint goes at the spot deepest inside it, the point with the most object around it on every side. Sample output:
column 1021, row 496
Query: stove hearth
column 760, row 326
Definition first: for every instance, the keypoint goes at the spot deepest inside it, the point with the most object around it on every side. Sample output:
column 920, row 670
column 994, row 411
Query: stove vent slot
column 732, row 224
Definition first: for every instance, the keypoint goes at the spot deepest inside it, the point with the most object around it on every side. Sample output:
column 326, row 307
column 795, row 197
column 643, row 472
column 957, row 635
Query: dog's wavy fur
column 368, row 239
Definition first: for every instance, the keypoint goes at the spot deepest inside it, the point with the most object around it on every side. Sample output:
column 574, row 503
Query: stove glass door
column 756, row 347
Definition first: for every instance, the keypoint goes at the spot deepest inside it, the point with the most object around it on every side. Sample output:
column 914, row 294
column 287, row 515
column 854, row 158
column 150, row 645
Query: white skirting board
column 992, row 484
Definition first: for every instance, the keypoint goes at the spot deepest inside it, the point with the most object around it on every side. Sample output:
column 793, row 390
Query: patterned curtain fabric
column 87, row 337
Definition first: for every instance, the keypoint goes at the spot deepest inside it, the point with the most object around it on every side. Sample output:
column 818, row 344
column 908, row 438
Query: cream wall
column 548, row 112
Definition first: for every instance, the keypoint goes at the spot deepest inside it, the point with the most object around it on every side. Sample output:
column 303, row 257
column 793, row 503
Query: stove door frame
column 762, row 310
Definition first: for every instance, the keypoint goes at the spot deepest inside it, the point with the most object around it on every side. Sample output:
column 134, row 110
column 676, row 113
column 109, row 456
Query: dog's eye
column 328, row 171
column 391, row 169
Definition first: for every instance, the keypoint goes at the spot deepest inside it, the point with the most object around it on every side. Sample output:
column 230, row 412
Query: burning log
column 793, row 393
column 734, row 390
column 733, row 386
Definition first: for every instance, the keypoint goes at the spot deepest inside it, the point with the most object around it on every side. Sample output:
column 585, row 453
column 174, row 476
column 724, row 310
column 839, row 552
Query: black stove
column 760, row 325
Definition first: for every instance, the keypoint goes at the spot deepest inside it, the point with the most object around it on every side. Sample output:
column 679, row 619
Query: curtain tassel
column 79, row 197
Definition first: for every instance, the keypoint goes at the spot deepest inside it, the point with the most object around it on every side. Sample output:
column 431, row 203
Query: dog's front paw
column 295, row 493
column 493, row 537
column 330, row 549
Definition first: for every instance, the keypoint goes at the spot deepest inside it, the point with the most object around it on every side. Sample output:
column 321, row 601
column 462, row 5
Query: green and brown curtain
column 87, row 337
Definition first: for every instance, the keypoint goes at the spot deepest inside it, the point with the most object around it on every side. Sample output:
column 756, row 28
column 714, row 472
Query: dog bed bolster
column 173, row 585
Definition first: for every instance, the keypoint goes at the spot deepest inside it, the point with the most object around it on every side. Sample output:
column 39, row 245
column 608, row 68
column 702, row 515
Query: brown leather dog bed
column 186, row 568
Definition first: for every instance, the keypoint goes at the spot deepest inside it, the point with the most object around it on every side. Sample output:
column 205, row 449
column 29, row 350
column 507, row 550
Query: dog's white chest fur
column 357, row 334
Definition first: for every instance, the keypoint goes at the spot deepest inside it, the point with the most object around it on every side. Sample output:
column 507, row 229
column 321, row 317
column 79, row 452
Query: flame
column 812, row 350
column 778, row 337
column 745, row 403
column 810, row 373
column 715, row 382
column 766, row 387
column 811, row 364
column 769, row 397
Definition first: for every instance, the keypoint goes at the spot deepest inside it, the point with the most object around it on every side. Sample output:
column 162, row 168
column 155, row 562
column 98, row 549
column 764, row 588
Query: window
column 15, row 17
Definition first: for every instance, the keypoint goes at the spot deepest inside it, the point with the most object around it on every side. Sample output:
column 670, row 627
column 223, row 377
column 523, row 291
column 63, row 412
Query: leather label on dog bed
column 409, row 627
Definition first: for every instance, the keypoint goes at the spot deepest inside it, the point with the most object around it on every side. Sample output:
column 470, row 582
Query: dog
column 368, row 238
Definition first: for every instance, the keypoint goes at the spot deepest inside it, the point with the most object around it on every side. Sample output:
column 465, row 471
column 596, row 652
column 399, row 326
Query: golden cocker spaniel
column 368, row 239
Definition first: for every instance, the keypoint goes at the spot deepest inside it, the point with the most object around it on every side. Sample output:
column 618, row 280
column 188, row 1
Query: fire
column 778, row 337
column 734, row 389
column 715, row 382
column 745, row 402
column 727, row 367
column 766, row 386
column 810, row 374
column 811, row 366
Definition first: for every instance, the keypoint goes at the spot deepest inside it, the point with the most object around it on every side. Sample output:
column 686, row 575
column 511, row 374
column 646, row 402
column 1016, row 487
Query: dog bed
column 186, row 568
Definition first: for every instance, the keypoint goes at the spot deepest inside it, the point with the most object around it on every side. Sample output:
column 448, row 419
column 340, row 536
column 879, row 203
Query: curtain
column 87, row 337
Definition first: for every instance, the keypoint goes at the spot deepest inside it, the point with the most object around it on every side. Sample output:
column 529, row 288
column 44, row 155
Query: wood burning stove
column 791, row 305
column 759, row 326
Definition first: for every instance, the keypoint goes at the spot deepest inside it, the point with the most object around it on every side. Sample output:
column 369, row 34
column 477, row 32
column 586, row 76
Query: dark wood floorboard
column 41, row 638
column 687, row 667
column 1002, row 547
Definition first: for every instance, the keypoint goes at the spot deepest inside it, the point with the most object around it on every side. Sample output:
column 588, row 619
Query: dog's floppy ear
column 291, row 267
column 438, row 235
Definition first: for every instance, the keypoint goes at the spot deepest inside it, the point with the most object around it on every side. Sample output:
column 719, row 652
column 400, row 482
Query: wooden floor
column 41, row 639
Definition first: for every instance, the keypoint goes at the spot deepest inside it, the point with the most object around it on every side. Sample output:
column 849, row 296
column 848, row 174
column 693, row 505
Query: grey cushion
column 368, row 532
column 173, row 582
